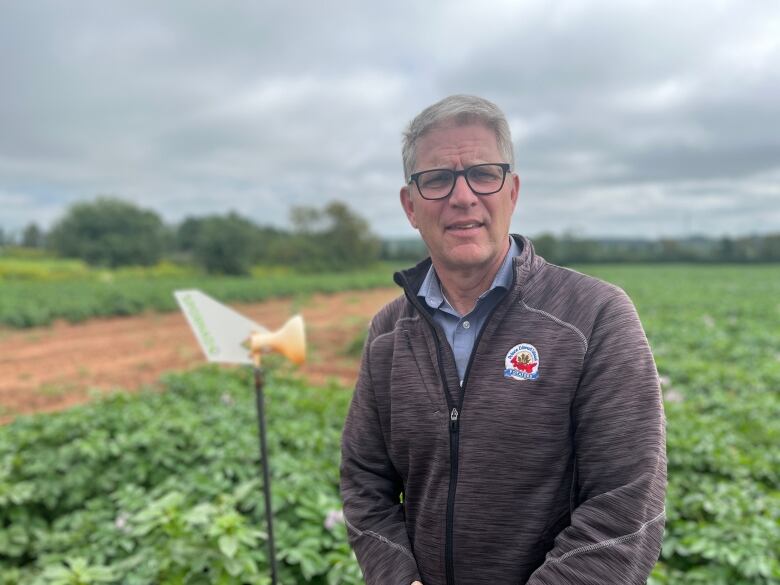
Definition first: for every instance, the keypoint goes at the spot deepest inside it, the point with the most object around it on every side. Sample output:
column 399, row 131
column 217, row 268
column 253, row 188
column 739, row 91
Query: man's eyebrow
column 439, row 164
column 450, row 166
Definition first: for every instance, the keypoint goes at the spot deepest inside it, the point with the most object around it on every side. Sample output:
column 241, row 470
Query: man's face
column 464, row 231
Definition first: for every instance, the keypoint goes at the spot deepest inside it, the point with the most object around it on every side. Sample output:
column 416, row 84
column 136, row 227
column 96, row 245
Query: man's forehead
column 455, row 139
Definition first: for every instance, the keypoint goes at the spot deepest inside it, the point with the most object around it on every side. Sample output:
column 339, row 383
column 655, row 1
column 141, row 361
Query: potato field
column 161, row 487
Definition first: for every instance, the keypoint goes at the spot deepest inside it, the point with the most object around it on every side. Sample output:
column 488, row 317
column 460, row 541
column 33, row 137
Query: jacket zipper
column 449, row 561
column 454, row 411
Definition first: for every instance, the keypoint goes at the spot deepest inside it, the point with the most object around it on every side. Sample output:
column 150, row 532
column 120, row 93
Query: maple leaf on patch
column 523, row 363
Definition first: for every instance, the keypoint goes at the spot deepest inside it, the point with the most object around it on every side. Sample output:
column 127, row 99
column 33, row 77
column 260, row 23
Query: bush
column 335, row 238
column 109, row 232
column 223, row 245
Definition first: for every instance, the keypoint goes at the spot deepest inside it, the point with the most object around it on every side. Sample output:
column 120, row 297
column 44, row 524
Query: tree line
column 576, row 250
column 111, row 232
column 569, row 249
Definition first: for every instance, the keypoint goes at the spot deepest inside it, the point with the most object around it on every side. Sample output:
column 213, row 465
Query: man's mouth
column 465, row 226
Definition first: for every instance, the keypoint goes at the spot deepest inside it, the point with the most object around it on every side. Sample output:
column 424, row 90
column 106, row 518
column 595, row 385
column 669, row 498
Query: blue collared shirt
column 462, row 330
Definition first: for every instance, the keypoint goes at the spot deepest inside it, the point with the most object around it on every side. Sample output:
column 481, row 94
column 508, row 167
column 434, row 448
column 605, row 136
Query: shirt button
column 466, row 324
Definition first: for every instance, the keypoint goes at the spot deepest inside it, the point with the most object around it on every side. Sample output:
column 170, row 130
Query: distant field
column 34, row 293
column 715, row 334
column 160, row 487
column 711, row 327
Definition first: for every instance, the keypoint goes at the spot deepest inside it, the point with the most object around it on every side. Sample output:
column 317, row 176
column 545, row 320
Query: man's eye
column 483, row 175
column 437, row 179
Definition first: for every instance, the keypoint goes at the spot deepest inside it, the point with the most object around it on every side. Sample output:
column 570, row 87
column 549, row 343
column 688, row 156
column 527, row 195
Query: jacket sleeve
column 370, row 489
column 618, row 514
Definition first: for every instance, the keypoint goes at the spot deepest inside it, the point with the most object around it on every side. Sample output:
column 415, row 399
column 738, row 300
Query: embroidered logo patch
column 522, row 362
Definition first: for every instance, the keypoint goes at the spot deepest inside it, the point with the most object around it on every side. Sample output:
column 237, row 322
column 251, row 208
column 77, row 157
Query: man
column 507, row 424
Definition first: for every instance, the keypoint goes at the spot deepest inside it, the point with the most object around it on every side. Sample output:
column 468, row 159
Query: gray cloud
column 629, row 119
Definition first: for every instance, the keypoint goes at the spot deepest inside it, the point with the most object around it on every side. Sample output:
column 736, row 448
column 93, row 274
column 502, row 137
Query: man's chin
column 464, row 257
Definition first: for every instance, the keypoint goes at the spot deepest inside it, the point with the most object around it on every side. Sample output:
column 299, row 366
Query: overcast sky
column 629, row 118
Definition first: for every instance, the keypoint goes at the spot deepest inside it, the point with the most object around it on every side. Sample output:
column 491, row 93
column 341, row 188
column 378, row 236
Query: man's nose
column 462, row 195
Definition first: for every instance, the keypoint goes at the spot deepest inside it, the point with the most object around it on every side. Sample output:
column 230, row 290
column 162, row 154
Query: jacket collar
column 527, row 261
column 430, row 290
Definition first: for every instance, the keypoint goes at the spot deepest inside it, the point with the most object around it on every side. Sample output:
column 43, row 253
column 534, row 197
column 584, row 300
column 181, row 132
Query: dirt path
column 56, row 367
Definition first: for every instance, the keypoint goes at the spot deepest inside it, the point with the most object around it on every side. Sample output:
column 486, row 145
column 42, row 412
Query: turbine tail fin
column 221, row 332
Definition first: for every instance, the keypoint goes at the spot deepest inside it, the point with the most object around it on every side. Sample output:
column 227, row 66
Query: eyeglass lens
column 483, row 179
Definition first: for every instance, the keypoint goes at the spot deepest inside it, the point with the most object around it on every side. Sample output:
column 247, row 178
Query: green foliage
column 32, row 236
column 163, row 487
column 569, row 249
column 332, row 239
column 109, row 232
column 40, row 268
column 223, row 245
column 128, row 291
column 407, row 250
column 230, row 244
column 714, row 334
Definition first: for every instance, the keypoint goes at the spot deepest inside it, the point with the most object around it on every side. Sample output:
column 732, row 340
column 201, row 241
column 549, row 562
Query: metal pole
column 259, row 382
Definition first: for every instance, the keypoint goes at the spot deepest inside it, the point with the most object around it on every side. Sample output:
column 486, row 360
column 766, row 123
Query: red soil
column 52, row 368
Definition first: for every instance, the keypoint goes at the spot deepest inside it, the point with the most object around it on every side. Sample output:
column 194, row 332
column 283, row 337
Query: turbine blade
column 221, row 332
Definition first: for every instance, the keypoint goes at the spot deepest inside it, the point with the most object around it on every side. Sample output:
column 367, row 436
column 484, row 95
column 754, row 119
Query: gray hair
column 462, row 110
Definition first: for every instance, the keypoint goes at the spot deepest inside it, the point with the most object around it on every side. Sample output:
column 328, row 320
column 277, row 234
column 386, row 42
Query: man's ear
column 406, row 203
column 515, row 189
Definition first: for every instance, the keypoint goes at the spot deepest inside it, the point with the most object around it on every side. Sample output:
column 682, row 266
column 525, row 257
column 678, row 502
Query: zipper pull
column 454, row 420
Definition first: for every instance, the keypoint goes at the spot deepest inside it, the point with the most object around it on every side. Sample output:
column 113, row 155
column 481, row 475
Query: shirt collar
column 430, row 289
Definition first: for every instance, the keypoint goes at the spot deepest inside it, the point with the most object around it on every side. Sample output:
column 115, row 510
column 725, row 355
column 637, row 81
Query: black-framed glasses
column 483, row 179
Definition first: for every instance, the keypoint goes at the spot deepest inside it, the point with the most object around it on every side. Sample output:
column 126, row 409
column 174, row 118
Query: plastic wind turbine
column 228, row 337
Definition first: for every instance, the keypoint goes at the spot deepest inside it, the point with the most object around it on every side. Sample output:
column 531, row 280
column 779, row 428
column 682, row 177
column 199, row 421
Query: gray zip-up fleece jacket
column 547, row 467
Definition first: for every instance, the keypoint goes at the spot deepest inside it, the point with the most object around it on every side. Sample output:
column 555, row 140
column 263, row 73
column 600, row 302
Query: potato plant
column 163, row 487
